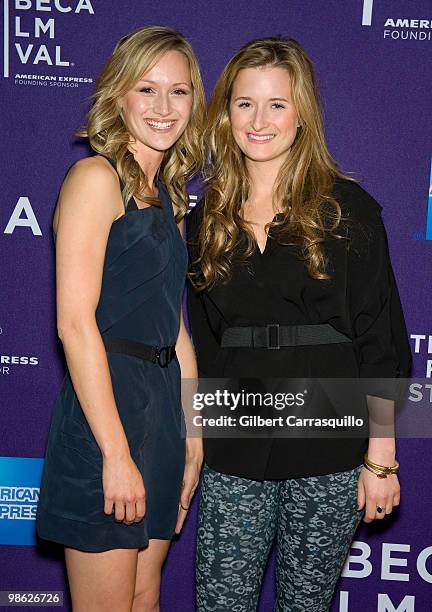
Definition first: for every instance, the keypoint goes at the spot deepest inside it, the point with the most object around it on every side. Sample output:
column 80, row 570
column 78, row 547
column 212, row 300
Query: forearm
column 382, row 444
column 88, row 367
column 189, row 375
column 186, row 355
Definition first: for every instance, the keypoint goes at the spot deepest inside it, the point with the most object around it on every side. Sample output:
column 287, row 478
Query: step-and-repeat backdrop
column 373, row 62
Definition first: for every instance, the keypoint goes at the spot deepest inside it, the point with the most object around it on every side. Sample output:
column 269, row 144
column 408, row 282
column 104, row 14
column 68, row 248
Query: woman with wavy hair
column 118, row 474
column 290, row 279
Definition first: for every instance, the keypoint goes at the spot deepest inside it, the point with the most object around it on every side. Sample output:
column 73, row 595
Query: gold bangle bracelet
column 381, row 468
column 377, row 466
column 376, row 472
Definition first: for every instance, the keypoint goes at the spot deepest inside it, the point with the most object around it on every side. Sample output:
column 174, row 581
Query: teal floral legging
column 313, row 520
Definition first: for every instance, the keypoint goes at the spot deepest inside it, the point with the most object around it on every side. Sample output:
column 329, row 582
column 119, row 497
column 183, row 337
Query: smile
column 260, row 139
column 159, row 125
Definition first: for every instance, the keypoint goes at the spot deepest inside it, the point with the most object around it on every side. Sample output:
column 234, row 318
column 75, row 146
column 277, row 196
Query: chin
column 159, row 144
column 254, row 156
column 162, row 147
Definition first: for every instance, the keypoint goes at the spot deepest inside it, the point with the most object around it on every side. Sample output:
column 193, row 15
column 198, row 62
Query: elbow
column 64, row 331
column 72, row 328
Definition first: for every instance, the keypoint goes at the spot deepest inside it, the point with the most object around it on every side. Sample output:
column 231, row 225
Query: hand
column 373, row 491
column 123, row 489
column 194, row 459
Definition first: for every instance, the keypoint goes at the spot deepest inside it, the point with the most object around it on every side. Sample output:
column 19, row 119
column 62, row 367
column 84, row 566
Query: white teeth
column 160, row 125
column 253, row 137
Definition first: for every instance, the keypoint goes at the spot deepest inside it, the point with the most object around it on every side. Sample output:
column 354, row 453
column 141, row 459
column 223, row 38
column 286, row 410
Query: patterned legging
column 313, row 519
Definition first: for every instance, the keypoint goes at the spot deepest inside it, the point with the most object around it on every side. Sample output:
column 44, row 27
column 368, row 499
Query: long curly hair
column 303, row 188
column 134, row 55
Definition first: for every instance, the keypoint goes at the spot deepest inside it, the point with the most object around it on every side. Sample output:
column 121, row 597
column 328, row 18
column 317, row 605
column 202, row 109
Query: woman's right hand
column 123, row 489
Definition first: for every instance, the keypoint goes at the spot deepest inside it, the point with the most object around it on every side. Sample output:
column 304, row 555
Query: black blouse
column 361, row 301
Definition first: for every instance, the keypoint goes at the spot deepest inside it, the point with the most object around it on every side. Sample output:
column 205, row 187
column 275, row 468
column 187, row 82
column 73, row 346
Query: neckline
column 130, row 212
column 127, row 212
column 158, row 183
column 269, row 237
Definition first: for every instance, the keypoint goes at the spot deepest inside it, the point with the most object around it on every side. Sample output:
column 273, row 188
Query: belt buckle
column 160, row 351
column 271, row 336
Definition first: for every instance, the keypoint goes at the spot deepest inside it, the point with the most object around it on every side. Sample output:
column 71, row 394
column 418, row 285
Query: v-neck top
column 361, row 301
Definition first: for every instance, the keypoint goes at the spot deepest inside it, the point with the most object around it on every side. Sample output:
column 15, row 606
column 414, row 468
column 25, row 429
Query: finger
column 140, row 510
column 186, row 495
column 380, row 509
column 108, row 506
column 390, row 503
column 397, row 497
column 130, row 513
column 185, row 501
column 361, row 495
column 370, row 513
column 119, row 510
column 180, row 519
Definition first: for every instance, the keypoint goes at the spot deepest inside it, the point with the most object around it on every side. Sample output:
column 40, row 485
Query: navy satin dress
column 143, row 280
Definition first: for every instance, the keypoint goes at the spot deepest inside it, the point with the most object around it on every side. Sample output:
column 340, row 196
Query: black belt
column 274, row 336
column 157, row 354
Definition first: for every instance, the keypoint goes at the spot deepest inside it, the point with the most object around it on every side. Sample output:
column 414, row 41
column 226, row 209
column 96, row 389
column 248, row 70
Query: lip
column 160, row 130
column 260, row 139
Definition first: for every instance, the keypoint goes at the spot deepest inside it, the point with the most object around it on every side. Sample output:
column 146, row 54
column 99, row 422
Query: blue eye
column 244, row 104
column 181, row 92
column 278, row 105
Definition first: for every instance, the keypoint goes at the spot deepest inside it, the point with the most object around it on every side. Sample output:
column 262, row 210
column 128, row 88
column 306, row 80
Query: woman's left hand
column 194, row 460
column 374, row 492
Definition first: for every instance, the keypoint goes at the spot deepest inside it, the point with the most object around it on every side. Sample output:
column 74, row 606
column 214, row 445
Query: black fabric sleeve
column 205, row 344
column 377, row 319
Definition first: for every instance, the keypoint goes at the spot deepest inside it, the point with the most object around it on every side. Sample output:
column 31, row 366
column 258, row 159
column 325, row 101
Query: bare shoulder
column 92, row 172
column 90, row 190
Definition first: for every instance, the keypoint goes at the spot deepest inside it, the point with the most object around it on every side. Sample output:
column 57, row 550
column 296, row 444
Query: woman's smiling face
column 157, row 109
column 263, row 117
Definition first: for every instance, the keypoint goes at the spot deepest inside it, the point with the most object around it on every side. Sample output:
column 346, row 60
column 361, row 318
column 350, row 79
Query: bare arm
column 372, row 491
column 88, row 204
column 194, row 448
column 85, row 213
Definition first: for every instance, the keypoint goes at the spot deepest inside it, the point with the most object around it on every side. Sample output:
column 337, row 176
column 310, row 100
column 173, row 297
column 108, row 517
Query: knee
column 146, row 600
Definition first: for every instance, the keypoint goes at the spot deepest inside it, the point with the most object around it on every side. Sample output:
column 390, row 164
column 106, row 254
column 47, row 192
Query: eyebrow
column 271, row 99
column 155, row 83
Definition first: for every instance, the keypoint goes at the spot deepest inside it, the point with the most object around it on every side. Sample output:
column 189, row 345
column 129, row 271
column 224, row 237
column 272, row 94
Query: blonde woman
column 118, row 475
column 291, row 279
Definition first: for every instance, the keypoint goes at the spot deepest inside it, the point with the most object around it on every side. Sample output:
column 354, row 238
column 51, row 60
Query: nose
column 162, row 105
column 259, row 120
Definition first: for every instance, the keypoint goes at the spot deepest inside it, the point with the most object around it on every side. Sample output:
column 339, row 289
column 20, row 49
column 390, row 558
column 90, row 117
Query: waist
column 275, row 336
column 162, row 355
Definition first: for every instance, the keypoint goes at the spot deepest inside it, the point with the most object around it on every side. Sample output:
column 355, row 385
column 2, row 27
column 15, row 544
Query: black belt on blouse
column 156, row 354
column 275, row 336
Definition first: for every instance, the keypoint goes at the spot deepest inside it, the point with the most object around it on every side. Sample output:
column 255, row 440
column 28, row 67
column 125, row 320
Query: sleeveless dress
column 142, row 286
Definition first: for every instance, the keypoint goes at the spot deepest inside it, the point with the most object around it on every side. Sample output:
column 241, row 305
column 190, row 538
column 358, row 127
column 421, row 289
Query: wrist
column 194, row 448
column 115, row 451
column 382, row 451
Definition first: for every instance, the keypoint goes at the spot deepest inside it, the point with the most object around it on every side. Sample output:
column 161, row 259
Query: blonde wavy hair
column 134, row 55
column 303, row 188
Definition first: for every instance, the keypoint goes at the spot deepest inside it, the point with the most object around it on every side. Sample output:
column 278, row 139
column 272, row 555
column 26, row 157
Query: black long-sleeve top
column 361, row 301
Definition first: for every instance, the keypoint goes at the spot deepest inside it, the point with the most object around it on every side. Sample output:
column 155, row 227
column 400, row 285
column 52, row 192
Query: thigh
column 148, row 575
column 101, row 581
column 318, row 517
column 236, row 528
